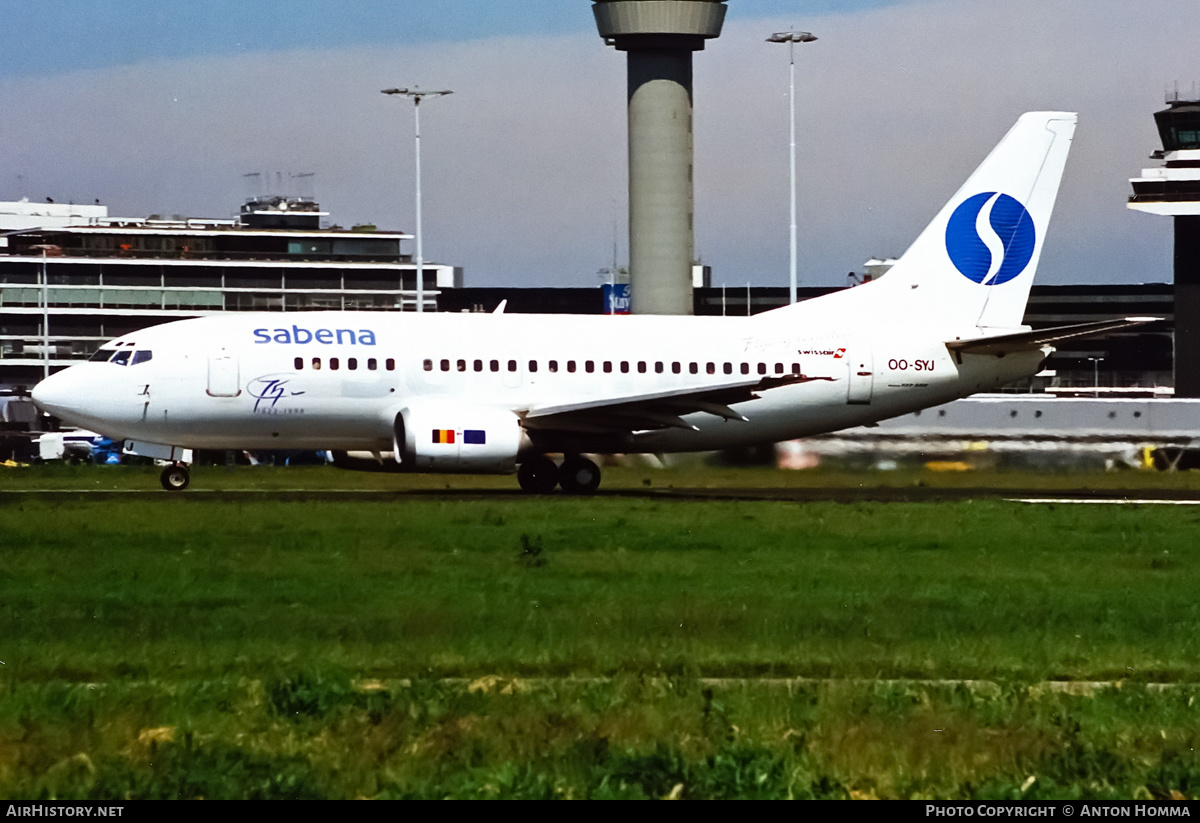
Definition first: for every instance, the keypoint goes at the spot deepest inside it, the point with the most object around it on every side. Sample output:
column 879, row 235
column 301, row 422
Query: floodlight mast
column 792, row 38
column 417, row 96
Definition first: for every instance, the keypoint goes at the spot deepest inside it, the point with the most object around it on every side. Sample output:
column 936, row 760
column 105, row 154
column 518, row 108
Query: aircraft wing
column 1028, row 340
column 659, row 410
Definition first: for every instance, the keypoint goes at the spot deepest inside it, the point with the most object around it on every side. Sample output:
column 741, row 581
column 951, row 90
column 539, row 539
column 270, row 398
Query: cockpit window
column 121, row 358
column 102, row 356
column 141, row 356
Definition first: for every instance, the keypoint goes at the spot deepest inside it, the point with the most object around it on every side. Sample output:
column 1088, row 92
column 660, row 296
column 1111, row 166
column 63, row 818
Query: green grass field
column 479, row 644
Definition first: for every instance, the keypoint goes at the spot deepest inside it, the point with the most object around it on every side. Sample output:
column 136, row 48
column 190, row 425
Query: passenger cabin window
column 571, row 366
column 552, row 366
column 333, row 363
column 352, row 364
column 478, row 365
column 462, row 365
column 390, row 364
column 316, row 361
column 298, row 363
column 512, row 365
column 445, row 365
column 372, row 364
column 532, row 365
column 428, row 365
column 494, row 365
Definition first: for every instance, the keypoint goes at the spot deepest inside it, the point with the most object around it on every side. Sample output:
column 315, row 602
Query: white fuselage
column 336, row 380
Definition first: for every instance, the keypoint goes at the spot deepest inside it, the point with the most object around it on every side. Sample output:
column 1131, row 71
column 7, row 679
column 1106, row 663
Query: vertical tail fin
column 976, row 260
column 974, row 263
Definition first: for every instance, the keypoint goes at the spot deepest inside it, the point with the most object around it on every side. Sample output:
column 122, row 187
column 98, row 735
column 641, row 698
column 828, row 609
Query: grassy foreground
column 496, row 646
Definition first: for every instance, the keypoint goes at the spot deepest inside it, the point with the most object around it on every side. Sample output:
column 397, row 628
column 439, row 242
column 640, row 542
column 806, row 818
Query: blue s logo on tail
column 990, row 238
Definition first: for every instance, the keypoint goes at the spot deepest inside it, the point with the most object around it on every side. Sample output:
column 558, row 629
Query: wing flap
column 657, row 410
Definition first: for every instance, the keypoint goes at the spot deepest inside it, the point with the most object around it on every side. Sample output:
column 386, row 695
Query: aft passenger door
column 861, row 385
column 223, row 378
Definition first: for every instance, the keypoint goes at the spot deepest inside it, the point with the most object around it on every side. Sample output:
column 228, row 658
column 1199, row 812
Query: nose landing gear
column 175, row 477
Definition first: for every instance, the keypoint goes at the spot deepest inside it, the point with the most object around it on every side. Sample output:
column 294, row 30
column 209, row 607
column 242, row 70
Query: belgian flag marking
column 471, row 437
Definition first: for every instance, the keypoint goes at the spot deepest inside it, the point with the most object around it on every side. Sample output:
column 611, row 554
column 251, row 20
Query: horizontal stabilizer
column 1029, row 340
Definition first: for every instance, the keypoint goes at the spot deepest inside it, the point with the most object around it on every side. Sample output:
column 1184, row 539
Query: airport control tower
column 1174, row 189
column 658, row 37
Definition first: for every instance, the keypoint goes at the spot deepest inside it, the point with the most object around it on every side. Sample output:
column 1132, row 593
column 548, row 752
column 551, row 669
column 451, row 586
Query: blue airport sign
column 616, row 298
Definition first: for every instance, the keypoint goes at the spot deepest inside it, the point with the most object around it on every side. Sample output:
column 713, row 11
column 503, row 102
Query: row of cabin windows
column 351, row 364
column 606, row 366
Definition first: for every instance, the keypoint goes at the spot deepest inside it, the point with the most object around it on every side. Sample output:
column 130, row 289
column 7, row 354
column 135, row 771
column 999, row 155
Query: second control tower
column 659, row 37
column 1174, row 190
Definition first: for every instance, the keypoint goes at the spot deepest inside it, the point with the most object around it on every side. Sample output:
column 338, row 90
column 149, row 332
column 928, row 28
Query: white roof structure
column 16, row 215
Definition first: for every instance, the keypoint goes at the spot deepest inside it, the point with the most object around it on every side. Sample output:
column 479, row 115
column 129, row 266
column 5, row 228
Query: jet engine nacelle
column 448, row 438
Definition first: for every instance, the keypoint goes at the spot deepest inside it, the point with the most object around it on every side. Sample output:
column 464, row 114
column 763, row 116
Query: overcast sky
column 159, row 107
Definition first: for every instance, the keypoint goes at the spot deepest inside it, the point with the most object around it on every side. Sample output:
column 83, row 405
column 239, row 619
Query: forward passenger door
column 223, row 377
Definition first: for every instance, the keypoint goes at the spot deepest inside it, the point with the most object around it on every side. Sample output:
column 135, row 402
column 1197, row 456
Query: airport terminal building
column 72, row 277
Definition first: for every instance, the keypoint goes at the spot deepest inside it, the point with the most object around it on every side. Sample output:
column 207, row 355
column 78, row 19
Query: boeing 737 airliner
column 499, row 392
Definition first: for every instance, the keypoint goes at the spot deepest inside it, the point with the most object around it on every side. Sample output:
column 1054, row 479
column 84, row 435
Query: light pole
column 417, row 97
column 45, row 319
column 792, row 38
column 1095, row 375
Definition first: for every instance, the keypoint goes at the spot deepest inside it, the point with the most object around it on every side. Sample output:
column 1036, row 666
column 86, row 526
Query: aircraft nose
column 87, row 397
column 54, row 395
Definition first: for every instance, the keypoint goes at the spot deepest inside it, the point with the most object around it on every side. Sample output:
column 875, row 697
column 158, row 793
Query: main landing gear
column 577, row 475
column 175, row 477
